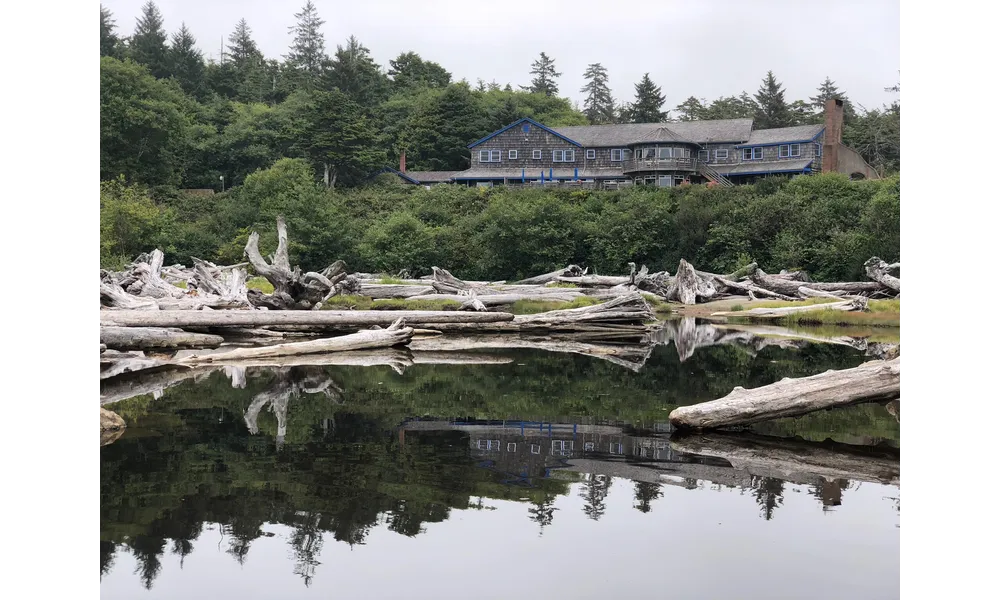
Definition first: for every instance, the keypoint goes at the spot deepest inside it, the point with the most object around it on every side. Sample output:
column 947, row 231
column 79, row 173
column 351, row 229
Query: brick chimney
column 402, row 162
column 832, row 134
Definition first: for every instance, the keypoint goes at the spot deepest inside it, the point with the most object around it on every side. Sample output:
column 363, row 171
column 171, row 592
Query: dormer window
column 789, row 150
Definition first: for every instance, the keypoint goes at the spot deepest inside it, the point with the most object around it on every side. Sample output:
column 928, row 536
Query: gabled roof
column 395, row 172
column 663, row 134
column 519, row 122
column 784, row 135
column 432, row 176
column 700, row 132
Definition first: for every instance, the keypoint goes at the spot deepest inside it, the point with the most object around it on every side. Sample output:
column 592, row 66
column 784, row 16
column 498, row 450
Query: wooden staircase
column 713, row 175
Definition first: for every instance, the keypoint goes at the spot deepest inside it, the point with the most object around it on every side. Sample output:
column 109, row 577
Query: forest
column 170, row 119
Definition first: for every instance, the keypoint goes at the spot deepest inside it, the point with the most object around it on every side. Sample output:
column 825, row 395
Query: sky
column 706, row 49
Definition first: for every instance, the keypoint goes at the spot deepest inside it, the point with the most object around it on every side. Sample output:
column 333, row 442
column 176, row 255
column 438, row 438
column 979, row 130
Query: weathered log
column 153, row 381
column 446, row 283
column 791, row 287
column 324, row 319
column 111, row 421
column 877, row 269
column 872, row 381
column 569, row 271
column 853, row 304
column 396, row 334
column 378, row 291
column 114, row 363
column 595, row 280
column 767, row 456
column 502, row 299
column 806, row 292
column 140, row 338
column 632, row 357
column 473, row 303
column 630, row 308
column 749, row 288
column 115, row 297
column 687, row 286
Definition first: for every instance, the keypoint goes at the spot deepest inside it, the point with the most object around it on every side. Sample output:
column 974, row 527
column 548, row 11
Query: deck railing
column 660, row 164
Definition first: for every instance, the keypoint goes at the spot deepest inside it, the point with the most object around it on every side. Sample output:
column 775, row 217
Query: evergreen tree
column 506, row 113
column 648, row 103
column 307, row 55
column 599, row 106
column 691, row 109
column 245, row 65
column 148, row 45
column 339, row 138
column 110, row 42
column 645, row 493
column 186, row 62
column 800, row 113
column 542, row 512
column 594, row 492
column 772, row 110
column 356, row 74
column 441, row 132
column 827, row 90
column 409, row 71
column 544, row 82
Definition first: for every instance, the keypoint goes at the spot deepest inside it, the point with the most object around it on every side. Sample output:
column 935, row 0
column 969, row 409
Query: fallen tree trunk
column 595, row 280
column 767, row 456
column 503, row 299
column 569, row 271
column 790, row 287
column 394, row 335
column 142, row 338
column 775, row 313
column 323, row 319
column 446, row 283
column 872, row 381
column 378, row 291
column 115, row 363
column 687, row 287
column 877, row 269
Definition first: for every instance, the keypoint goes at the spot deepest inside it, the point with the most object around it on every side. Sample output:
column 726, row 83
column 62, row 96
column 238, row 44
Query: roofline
column 518, row 122
column 804, row 169
column 812, row 139
column 391, row 170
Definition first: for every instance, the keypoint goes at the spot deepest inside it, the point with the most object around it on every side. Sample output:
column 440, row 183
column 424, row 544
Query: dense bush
column 825, row 224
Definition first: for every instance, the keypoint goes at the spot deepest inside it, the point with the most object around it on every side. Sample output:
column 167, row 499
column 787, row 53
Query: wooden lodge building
column 726, row 152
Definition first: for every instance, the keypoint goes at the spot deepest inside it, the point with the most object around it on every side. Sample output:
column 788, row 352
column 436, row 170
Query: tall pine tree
column 599, row 106
column 148, row 45
column 186, row 62
column 648, row 104
column 409, row 71
column 307, row 55
column 772, row 110
column 110, row 42
column 339, row 138
column 245, row 65
column 544, row 82
column 356, row 74
column 691, row 109
column 827, row 90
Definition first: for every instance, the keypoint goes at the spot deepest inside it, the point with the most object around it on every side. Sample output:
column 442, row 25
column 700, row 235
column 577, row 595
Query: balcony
column 636, row 165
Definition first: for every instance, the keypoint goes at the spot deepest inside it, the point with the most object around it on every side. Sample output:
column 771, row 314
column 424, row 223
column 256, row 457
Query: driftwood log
column 569, row 271
column 872, row 381
column 776, row 313
column 395, row 335
column 140, row 338
column 325, row 319
column 878, row 269
column 790, row 287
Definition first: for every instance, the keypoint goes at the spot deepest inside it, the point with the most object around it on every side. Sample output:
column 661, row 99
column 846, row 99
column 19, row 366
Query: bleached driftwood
column 687, row 287
column 114, row 363
column 502, row 299
column 790, row 287
column 855, row 304
column 141, row 338
column 569, row 271
column 324, row 319
column 877, row 269
column 446, row 283
column 632, row 357
column 378, row 291
column 396, row 334
column 872, row 381
column 767, row 456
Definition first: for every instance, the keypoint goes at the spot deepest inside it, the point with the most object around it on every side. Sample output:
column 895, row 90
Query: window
column 648, row 153
column 563, row 155
column 588, row 446
column 536, row 154
column 722, row 154
column 488, row 444
column 788, row 150
column 536, row 449
column 664, row 153
column 562, row 447
column 616, row 155
column 753, row 153
column 591, row 154
column 511, row 447
column 703, row 155
column 489, row 156
column 819, row 149
column 512, row 154
column 615, row 448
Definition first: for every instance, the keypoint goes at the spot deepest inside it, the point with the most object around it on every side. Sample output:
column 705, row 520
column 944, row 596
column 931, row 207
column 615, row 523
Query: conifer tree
column 246, row 66
column 827, row 90
column 544, row 82
column 110, row 42
column 186, row 62
column 148, row 45
column 691, row 109
column 648, row 104
column 599, row 106
column 307, row 55
column 772, row 110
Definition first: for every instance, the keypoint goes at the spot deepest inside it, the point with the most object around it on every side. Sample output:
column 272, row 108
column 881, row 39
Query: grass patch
column 660, row 306
column 260, row 284
column 880, row 313
column 181, row 284
column 532, row 307
column 366, row 303
column 562, row 284
column 388, row 280
column 736, row 308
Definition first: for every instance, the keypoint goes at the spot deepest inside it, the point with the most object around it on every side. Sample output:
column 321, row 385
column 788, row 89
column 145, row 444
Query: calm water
column 553, row 473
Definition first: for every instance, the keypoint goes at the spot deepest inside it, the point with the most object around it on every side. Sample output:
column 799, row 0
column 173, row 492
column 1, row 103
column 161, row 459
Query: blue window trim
column 751, row 149
column 812, row 139
column 518, row 122
column 789, row 152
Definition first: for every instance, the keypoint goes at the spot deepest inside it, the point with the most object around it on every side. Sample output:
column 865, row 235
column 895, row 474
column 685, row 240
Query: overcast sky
column 708, row 48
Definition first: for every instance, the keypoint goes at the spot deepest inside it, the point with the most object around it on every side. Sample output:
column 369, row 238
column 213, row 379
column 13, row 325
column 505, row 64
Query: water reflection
column 337, row 456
